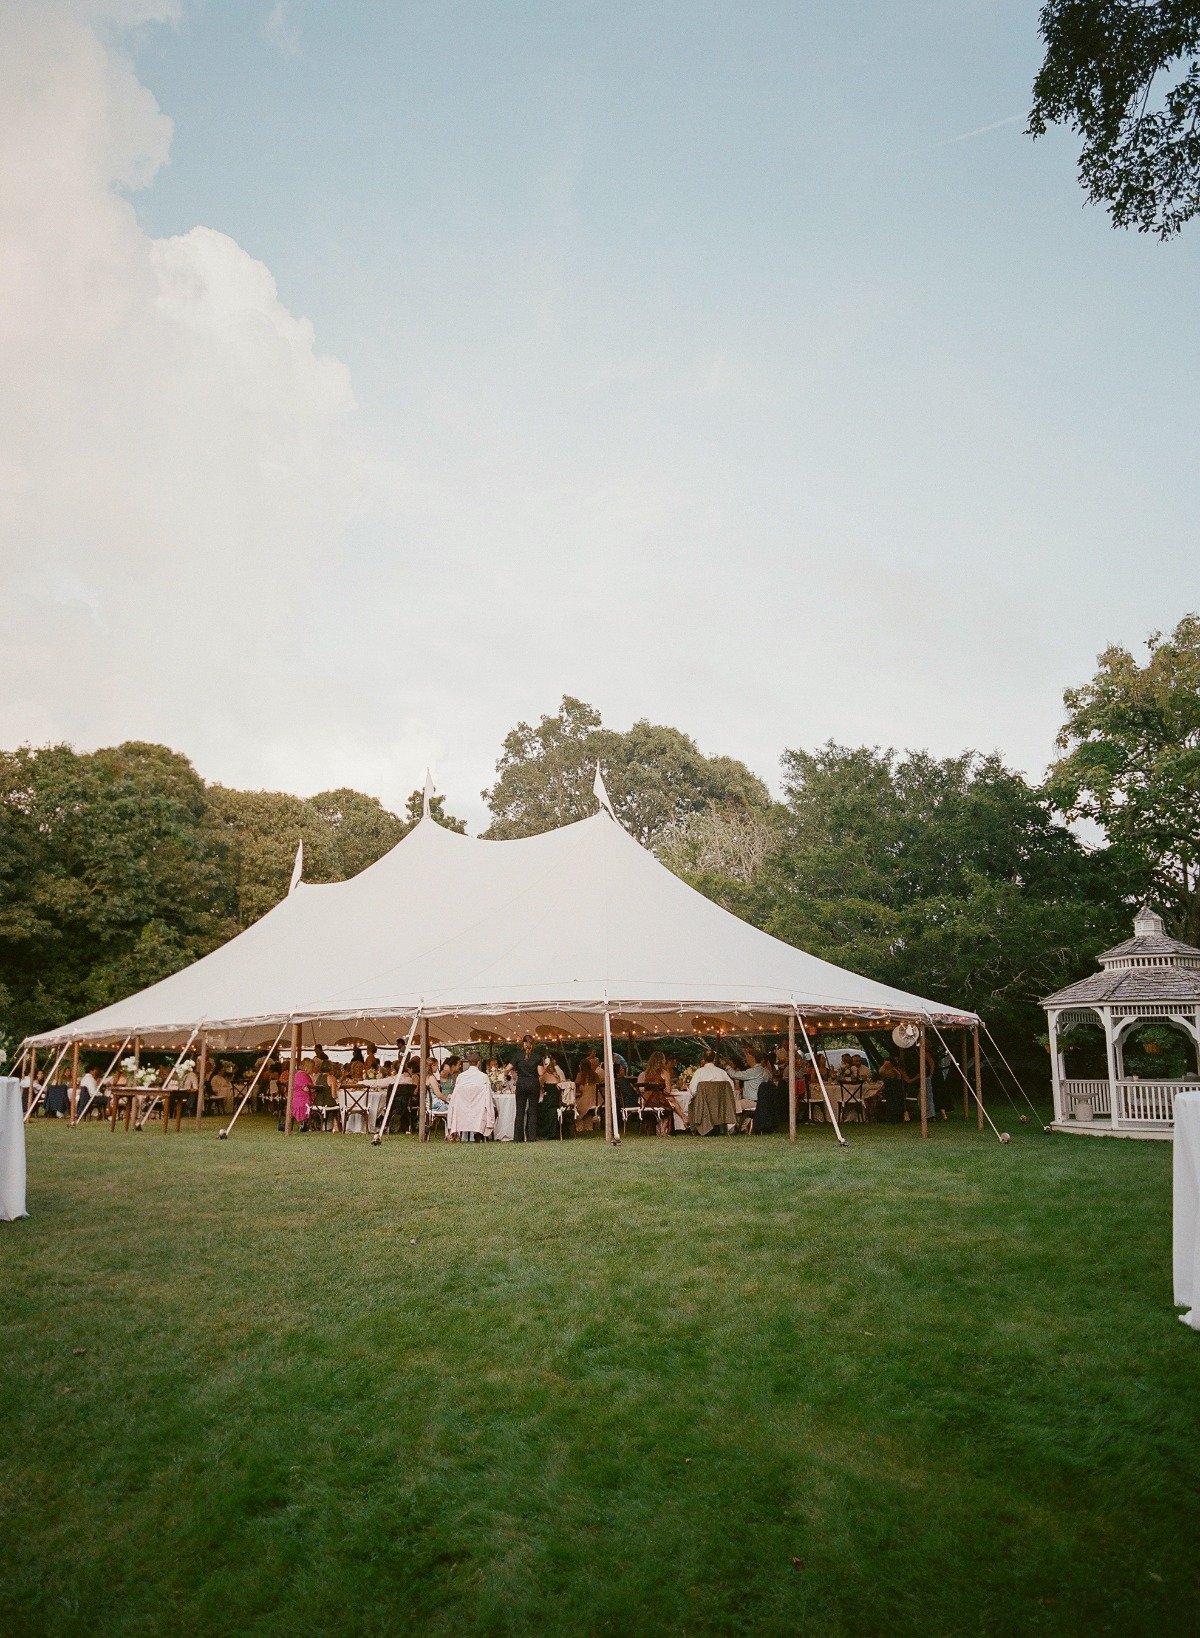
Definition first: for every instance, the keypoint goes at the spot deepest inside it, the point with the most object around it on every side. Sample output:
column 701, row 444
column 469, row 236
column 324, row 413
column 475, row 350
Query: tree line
column 955, row 877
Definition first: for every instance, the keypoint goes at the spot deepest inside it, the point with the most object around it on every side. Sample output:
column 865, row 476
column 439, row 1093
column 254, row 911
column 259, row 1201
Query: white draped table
column 376, row 1091
column 1187, row 1207
column 12, row 1150
column 506, row 1116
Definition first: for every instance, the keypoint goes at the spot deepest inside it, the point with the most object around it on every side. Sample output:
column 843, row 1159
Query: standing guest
column 770, row 1107
column 302, row 1091
column 354, row 1070
column 372, row 1069
column 472, row 1113
column 528, row 1065
column 552, row 1082
column 895, row 1079
column 404, row 1106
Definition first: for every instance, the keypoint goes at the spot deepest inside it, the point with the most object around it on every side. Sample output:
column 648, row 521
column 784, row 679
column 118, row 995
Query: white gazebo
column 1149, row 978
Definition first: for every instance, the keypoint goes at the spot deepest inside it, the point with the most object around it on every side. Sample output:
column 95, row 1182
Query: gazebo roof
column 1150, row 967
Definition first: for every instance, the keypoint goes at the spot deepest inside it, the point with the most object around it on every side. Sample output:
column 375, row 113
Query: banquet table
column 1187, row 1207
column 506, row 1116
column 12, row 1150
column 377, row 1093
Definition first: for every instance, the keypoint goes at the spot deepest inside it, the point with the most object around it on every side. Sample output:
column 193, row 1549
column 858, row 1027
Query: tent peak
column 600, row 792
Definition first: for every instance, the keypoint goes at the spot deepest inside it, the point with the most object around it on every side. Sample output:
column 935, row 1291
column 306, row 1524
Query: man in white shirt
column 86, row 1095
column 709, row 1070
column 472, row 1106
column 751, row 1079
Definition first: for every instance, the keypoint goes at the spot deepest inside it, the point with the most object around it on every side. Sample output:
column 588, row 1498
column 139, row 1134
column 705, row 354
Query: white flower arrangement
column 147, row 1077
column 129, row 1065
column 185, row 1066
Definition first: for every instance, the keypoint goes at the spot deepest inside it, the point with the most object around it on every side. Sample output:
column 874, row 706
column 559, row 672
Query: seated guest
column 656, row 1086
column 589, row 1085
column 472, row 1113
column 220, row 1089
column 58, row 1099
column 87, row 1096
column 372, row 1068
column 751, row 1078
column 709, row 1070
column 354, row 1069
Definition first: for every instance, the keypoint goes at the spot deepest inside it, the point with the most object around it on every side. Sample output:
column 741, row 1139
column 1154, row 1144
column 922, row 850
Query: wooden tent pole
column 791, row 1077
column 966, row 1085
column 74, row 1081
column 293, row 1066
column 423, row 1082
column 203, row 1076
column 612, row 1132
column 978, row 1078
column 32, row 1079
column 921, row 1099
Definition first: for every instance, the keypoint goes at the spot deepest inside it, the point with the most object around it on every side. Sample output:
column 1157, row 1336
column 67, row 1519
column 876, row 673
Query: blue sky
column 704, row 365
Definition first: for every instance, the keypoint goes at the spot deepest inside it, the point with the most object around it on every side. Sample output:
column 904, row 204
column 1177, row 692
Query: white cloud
column 279, row 30
column 177, row 458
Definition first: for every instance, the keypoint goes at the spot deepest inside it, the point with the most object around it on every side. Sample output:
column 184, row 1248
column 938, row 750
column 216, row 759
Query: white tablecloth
column 506, row 1116
column 12, row 1150
column 1187, row 1206
column 376, row 1099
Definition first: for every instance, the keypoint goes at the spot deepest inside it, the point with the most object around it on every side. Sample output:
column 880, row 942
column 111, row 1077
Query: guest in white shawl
column 472, row 1106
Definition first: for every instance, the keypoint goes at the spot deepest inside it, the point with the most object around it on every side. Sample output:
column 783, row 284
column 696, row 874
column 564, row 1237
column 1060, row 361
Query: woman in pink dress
column 302, row 1089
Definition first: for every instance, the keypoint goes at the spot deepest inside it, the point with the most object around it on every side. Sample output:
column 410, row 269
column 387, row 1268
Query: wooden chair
column 354, row 1100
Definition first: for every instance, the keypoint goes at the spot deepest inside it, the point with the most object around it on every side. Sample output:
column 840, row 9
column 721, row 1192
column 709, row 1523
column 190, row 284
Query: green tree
column 1125, row 74
column 1132, row 765
column 95, row 849
column 948, row 877
column 655, row 776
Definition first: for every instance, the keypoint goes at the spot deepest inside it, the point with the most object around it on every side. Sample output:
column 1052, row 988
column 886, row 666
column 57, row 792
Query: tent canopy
column 490, row 939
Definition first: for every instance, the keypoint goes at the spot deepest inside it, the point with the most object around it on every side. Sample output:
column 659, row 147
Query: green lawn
column 701, row 1386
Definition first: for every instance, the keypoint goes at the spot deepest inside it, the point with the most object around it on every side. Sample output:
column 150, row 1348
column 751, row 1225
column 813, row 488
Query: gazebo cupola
column 1151, row 977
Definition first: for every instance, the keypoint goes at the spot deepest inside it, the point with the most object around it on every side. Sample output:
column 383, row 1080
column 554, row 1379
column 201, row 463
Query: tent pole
column 978, row 1078
column 74, row 1081
column 966, row 1087
column 36, row 1097
column 611, row 1132
column 386, row 1112
column 812, row 1051
column 423, row 1082
column 791, row 1077
column 100, row 1083
column 293, row 1066
column 32, row 1079
column 202, row 1076
column 246, row 1095
column 922, row 1103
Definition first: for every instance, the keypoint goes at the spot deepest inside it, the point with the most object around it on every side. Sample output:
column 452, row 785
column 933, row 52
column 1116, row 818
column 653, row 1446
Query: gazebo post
column 202, row 1077
column 423, row 1081
column 1114, row 1089
column 611, row 1133
column 1055, row 1067
column 791, row 1077
column 922, row 1102
column 293, row 1066
column 978, row 1079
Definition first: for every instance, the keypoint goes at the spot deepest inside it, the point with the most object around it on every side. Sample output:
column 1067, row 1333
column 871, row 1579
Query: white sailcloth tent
column 489, row 939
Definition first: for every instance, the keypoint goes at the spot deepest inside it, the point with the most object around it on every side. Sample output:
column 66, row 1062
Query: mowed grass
column 692, row 1386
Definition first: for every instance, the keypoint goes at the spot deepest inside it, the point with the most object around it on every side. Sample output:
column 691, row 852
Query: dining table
column 506, row 1116
column 377, row 1096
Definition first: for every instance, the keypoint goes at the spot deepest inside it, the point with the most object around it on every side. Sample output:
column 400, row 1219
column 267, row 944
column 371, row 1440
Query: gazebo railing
column 1149, row 1101
column 1143, row 1103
